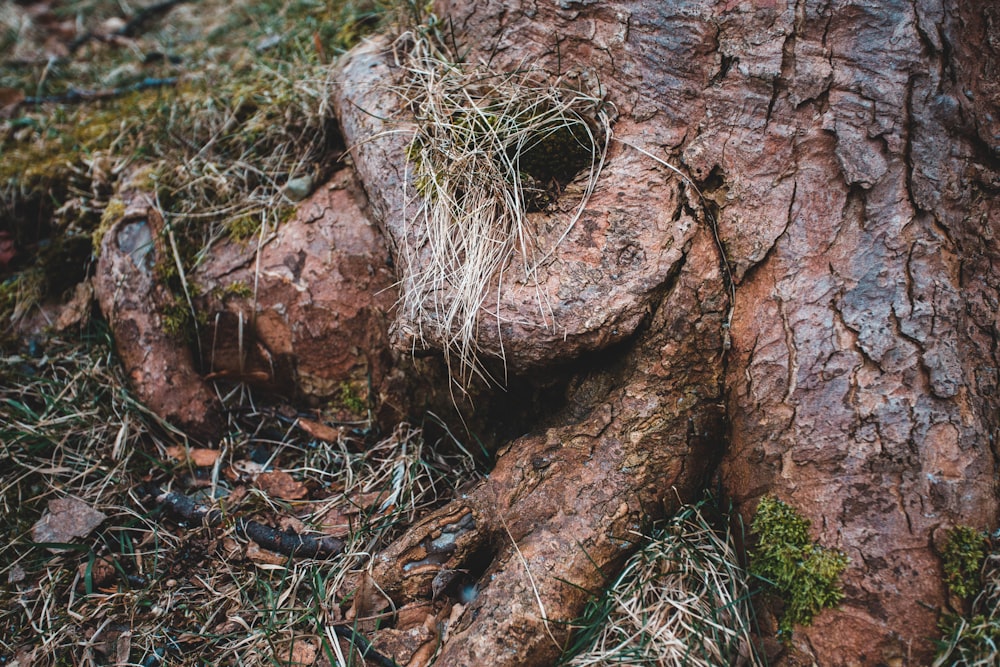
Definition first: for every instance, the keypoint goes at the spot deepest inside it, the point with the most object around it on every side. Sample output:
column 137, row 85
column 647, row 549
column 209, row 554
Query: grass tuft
column 682, row 600
column 973, row 640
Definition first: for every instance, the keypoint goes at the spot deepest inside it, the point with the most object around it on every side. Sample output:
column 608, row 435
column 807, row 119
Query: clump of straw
column 488, row 148
column 682, row 600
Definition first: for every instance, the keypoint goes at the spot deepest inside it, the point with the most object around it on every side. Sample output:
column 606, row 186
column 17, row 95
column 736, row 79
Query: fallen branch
column 288, row 543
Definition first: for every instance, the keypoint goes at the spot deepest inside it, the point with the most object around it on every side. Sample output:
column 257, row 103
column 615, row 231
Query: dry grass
column 682, row 600
column 188, row 594
column 488, row 148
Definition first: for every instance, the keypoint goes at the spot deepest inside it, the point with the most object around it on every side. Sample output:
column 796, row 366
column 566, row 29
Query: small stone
column 299, row 188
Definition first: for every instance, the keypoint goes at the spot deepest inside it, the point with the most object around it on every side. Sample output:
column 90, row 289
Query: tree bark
column 851, row 151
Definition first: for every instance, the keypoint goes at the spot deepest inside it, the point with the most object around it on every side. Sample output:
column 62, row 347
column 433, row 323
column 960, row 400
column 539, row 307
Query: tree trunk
column 851, row 152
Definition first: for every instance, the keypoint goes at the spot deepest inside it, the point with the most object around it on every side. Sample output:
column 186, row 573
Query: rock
column 66, row 519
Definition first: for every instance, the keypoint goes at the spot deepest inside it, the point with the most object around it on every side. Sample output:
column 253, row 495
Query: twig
column 284, row 542
column 77, row 96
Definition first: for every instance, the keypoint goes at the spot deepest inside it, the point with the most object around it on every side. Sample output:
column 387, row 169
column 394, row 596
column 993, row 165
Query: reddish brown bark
column 853, row 168
column 305, row 312
column 852, row 155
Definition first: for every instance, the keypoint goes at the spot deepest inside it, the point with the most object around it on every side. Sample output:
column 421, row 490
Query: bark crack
column 793, row 364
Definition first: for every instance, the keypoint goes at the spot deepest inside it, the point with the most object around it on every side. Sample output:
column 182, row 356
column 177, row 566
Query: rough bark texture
column 318, row 289
column 563, row 507
column 851, row 150
column 305, row 314
column 850, row 153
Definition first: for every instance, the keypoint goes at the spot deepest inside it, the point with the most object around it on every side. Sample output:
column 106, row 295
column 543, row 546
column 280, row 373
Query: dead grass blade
column 489, row 147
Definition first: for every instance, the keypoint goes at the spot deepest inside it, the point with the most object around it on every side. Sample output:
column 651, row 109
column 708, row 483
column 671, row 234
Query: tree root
column 565, row 507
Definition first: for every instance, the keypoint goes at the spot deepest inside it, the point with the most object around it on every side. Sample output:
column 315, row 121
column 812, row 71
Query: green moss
column 243, row 228
column 176, row 319
column 113, row 212
column 804, row 575
column 962, row 557
column 238, row 289
column 351, row 399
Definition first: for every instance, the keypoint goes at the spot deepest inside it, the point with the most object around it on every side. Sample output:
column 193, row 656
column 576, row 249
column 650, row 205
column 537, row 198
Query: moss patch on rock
column 962, row 556
column 802, row 574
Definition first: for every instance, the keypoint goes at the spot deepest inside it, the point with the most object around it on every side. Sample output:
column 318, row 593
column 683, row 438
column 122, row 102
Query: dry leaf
column 279, row 484
column 247, row 467
column 101, row 574
column 333, row 521
column 404, row 645
column 291, row 523
column 319, row 430
column 123, row 648
column 200, row 457
column 204, row 458
column 416, row 614
column 423, row 655
column 111, row 26
column 368, row 600
column 10, row 99
column 16, row 574
column 260, row 555
column 66, row 519
column 77, row 310
column 25, row 657
column 303, row 652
